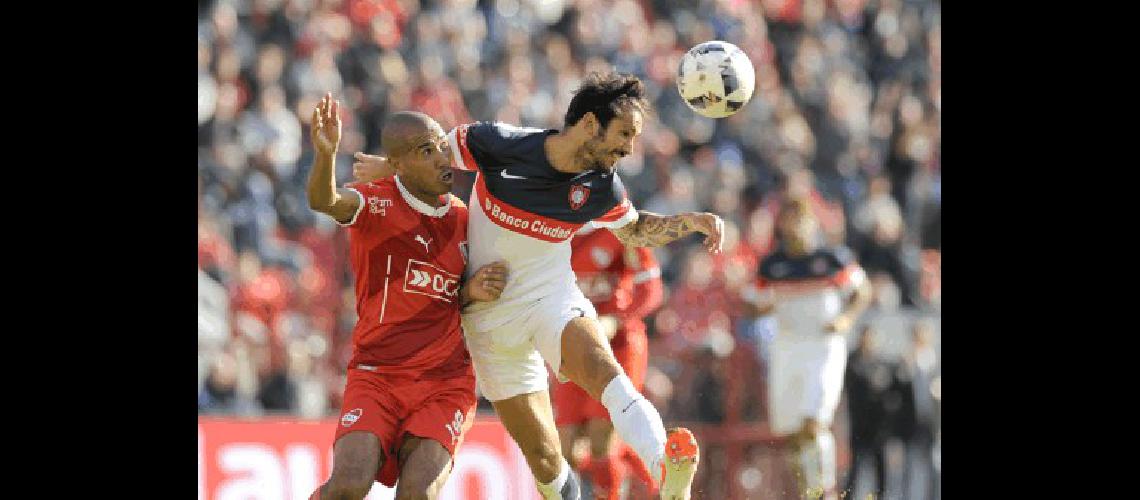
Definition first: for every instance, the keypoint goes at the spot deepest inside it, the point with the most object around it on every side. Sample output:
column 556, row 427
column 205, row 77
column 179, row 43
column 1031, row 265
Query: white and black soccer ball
column 716, row 79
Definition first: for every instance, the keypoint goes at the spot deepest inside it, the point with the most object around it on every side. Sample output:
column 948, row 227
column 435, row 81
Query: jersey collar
column 420, row 206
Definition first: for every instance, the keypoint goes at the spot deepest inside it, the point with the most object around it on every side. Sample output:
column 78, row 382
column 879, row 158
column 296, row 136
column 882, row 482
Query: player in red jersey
column 411, row 388
column 624, row 284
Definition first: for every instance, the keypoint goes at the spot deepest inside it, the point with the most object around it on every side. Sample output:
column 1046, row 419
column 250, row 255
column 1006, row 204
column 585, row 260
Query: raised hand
column 368, row 168
column 325, row 126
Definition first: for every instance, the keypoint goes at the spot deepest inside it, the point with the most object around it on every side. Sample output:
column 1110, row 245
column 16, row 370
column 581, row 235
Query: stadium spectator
column 868, row 385
column 915, row 421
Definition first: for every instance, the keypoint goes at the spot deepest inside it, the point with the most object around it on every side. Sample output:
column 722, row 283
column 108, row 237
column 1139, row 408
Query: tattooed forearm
column 654, row 230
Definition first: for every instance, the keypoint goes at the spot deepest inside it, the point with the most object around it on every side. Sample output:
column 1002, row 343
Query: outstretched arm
column 654, row 230
column 368, row 168
column 324, row 197
column 856, row 304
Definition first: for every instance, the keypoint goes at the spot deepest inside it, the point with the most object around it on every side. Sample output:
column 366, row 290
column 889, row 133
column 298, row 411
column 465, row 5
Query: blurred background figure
column 816, row 293
column 868, row 384
column 918, row 385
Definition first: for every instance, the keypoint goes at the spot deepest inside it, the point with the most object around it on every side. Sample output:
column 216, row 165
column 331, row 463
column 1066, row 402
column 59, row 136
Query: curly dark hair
column 605, row 95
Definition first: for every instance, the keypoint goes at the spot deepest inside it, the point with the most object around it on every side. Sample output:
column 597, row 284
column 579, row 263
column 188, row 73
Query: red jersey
column 408, row 259
column 625, row 282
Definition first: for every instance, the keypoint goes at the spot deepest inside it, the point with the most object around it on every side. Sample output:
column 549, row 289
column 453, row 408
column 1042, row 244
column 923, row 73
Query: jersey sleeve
column 365, row 215
column 850, row 275
column 622, row 213
column 473, row 145
column 643, row 264
column 759, row 291
column 648, row 290
column 763, row 272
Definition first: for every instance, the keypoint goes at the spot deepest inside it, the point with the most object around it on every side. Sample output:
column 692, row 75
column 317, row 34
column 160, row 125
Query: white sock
column 636, row 421
column 810, row 466
column 826, row 444
column 817, row 462
column 553, row 490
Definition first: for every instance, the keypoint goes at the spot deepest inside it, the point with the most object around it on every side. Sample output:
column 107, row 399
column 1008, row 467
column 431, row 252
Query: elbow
column 863, row 297
column 319, row 203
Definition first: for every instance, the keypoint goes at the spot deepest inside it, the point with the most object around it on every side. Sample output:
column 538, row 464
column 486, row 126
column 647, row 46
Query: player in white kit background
column 815, row 293
column 534, row 189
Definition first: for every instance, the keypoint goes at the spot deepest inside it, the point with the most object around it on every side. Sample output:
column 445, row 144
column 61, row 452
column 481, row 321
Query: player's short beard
column 594, row 161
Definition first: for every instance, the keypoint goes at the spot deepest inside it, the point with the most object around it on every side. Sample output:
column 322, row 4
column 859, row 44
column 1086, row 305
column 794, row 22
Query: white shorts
column 508, row 358
column 805, row 380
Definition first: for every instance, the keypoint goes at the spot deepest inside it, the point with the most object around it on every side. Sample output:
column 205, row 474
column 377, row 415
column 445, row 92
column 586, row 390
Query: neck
column 561, row 150
column 432, row 200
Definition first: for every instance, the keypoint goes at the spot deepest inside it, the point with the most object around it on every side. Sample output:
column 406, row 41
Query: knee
column 420, row 492
column 603, row 370
column 356, row 461
column 418, row 486
column 545, row 459
column 347, row 488
column 348, row 483
column 587, row 359
column 810, row 430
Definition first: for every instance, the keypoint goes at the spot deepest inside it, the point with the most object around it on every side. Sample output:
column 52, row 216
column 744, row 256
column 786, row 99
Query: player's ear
column 398, row 164
column 593, row 126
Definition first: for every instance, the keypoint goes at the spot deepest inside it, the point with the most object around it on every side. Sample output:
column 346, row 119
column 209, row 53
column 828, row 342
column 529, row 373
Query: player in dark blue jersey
column 816, row 293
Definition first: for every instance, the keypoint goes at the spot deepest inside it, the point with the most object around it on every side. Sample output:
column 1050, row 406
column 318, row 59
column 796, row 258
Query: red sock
column 621, row 470
column 633, row 463
column 605, row 473
column 583, row 464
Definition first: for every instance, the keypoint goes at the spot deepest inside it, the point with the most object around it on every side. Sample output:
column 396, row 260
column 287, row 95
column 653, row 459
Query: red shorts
column 573, row 406
column 393, row 406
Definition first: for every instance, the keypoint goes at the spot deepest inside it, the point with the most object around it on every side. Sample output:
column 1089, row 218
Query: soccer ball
column 716, row 79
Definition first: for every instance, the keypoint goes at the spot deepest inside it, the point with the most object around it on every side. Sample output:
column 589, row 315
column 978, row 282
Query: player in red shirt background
column 625, row 286
column 410, row 393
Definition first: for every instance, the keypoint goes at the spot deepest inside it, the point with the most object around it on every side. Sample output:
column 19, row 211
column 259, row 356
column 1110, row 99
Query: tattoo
column 653, row 230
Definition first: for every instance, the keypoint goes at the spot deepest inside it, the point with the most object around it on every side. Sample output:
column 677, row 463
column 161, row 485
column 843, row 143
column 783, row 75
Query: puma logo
column 421, row 240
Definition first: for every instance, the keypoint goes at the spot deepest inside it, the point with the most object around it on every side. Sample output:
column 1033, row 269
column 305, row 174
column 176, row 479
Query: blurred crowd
column 847, row 111
column 894, row 402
